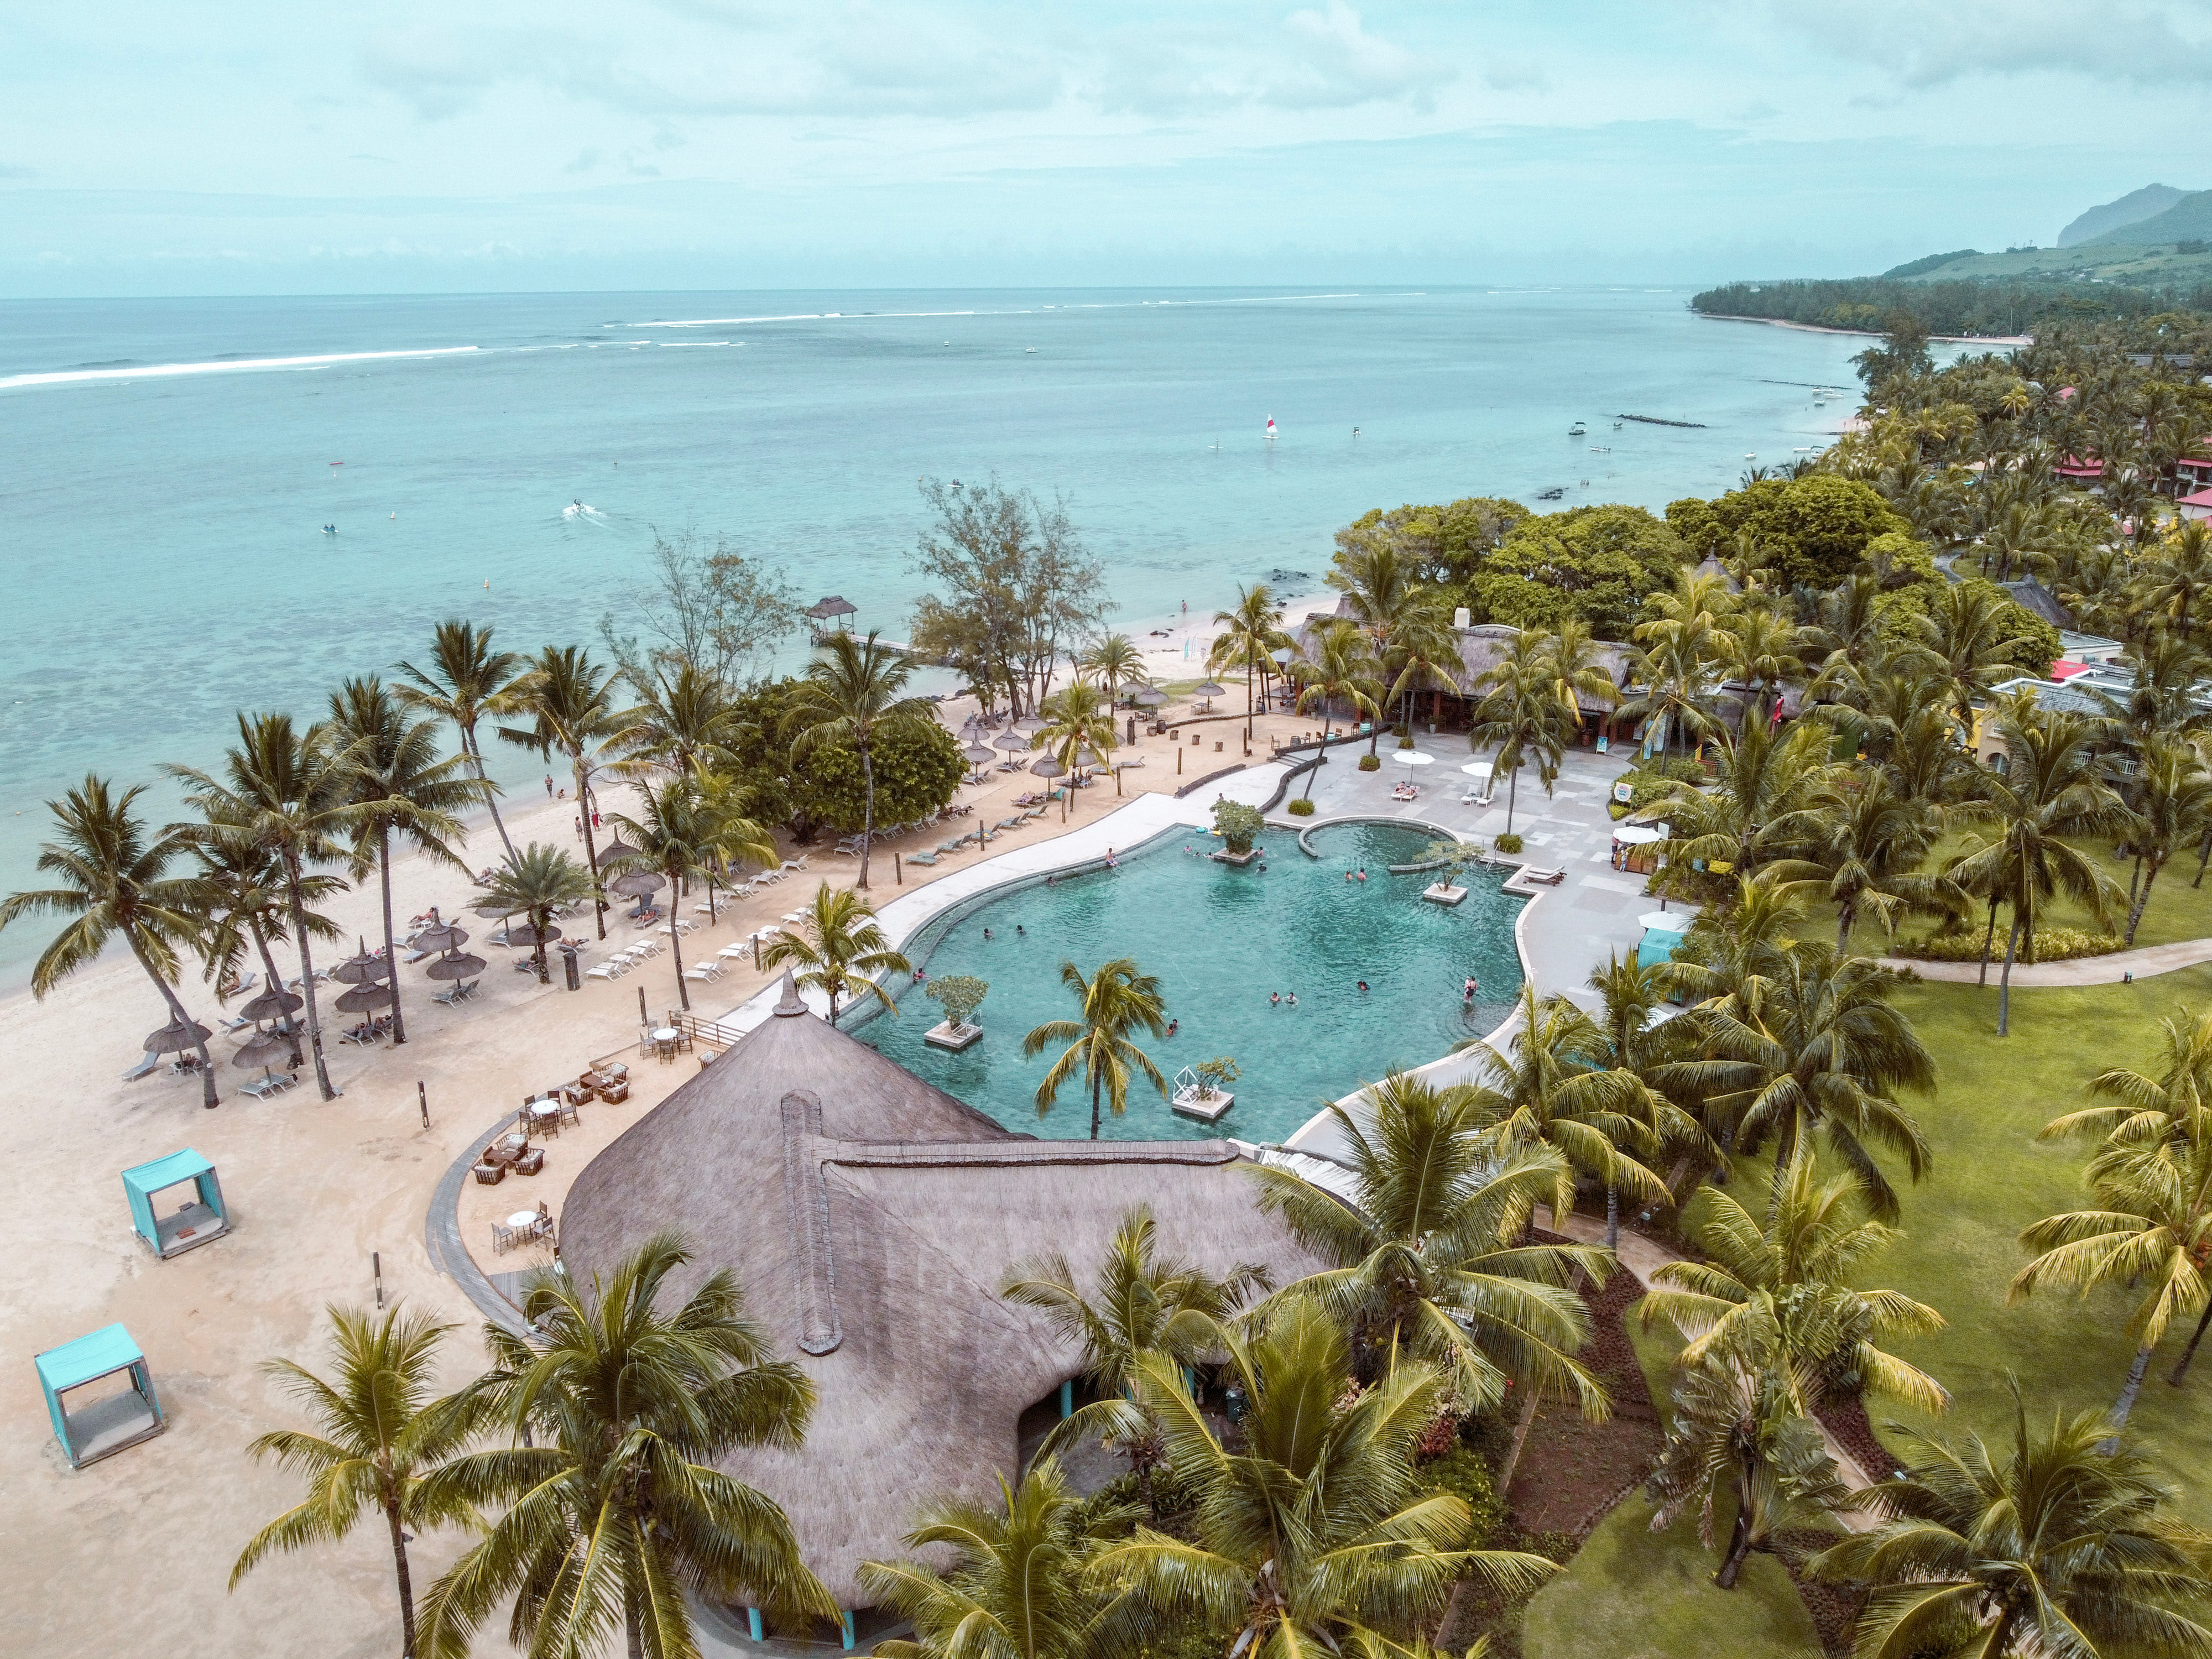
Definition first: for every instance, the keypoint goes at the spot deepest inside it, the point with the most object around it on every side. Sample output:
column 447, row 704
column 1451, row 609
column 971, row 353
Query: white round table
column 665, row 1034
column 523, row 1218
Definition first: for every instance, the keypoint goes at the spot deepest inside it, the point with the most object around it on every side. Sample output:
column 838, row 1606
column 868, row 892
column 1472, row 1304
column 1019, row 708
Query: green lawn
column 1635, row 1594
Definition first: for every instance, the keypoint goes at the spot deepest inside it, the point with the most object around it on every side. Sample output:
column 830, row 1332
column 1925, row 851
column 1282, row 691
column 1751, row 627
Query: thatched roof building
column 871, row 1218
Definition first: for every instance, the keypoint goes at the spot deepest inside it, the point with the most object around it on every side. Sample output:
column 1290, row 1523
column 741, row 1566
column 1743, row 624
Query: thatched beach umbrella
column 1010, row 741
column 273, row 1004
column 459, row 965
column 976, row 753
column 364, row 997
column 525, row 937
column 617, row 848
column 1030, row 724
column 261, row 1050
column 441, row 936
column 497, row 909
column 175, row 1037
column 362, row 969
column 1047, row 766
column 1151, row 696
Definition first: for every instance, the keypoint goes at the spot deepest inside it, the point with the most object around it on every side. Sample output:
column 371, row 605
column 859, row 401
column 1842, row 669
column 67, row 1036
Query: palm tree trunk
column 307, row 976
column 2190, row 1353
column 491, row 800
column 867, row 809
column 1612, row 1216
column 1738, row 1544
column 406, row 1582
column 2204, row 855
column 1844, row 920
column 676, row 955
column 391, row 956
column 276, row 984
column 539, row 921
column 208, row 1096
column 2004, row 980
column 2143, row 902
column 1094, row 1105
column 591, row 858
column 1248, row 699
column 1989, row 939
column 1512, row 794
column 1321, row 759
column 2128, row 1390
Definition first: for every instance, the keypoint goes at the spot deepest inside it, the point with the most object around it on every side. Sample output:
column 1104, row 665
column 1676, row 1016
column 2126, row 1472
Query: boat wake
column 583, row 510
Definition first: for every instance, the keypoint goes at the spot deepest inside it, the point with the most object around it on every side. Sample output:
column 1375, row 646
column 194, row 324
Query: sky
column 254, row 146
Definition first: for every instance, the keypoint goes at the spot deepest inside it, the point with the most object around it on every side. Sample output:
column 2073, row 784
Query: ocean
column 167, row 467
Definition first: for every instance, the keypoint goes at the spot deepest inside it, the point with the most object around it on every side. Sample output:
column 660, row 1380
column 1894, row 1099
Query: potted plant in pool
column 1450, row 858
column 1199, row 1092
column 1238, row 826
column 960, row 995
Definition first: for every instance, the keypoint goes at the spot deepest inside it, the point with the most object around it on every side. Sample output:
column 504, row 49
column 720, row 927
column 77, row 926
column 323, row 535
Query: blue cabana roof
column 146, row 1179
column 88, row 1360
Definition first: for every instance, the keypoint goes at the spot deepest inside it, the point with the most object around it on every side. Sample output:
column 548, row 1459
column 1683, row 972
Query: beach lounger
column 414, row 956
column 1015, row 822
column 733, row 953
column 606, row 970
column 798, row 863
column 143, row 1068
column 951, row 846
column 923, row 858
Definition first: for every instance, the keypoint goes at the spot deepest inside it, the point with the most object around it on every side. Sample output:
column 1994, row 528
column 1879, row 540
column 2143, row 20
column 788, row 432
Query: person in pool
column 1363, row 873
column 1275, row 1001
column 1291, row 1001
column 1174, row 1025
column 1362, row 984
column 987, row 939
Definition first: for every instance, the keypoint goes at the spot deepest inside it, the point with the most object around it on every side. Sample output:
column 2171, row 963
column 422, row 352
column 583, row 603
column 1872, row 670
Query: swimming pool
column 1222, row 941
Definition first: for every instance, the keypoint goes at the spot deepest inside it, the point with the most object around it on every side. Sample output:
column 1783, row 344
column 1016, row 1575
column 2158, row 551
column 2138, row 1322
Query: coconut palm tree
column 616, row 1505
column 1018, row 1584
column 1113, row 1002
column 1384, row 599
column 1970, row 632
column 1760, row 649
column 1677, row 661
column 2177, row 579
column 1144, row 1303
column 1578, row 674
column 400, row 785
column 1820, row 1052
column 854, row 692
column 287, row 793
column 1252, row 632
column 466, row 680
column 1793, row 1269
column 2052, row 787
column 247, row 909
column 384, row 1432
column 1637, row 1044
column 113, row 883
column 1313, row 1537
column 1336, row 666
column 1078, row 727
column 728, row 830
column 2059, row 1544
column 680, row 723
column 676, row 840
column 1771, row 791
column 2171, row 809
column 569, row 701
column 1112, row 662
column 536, row 882
column 1552, row 1085
column 1868, row 846
column 1520, row 710
column 2151, row 1232
column 2148, row 1109
column 839, row 948
column 1433, row 1263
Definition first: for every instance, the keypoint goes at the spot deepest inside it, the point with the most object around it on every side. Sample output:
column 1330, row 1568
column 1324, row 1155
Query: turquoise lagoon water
column 163, row 509
column 1222, row 941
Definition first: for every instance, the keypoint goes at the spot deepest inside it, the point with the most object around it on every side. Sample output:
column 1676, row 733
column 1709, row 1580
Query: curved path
column 2083, row 970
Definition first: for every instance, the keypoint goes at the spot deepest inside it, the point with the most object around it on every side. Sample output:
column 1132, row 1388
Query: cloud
column 1345, row 65
column 1515, row 75
column 435, row 70
column 1923, row 47
column 586, row 159
column 10, row 170
column 1315, row 59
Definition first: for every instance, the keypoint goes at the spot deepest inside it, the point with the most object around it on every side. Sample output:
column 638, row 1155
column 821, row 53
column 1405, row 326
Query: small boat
column 1600, row 449
column 1271, row 428
column 1617, row 425
column 1578, row 430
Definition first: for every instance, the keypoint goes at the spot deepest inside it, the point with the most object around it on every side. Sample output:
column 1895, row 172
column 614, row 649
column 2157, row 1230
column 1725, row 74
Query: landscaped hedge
column 1370, row 763
column 1300, row 808
column 1508, row 843
column 2052, row 944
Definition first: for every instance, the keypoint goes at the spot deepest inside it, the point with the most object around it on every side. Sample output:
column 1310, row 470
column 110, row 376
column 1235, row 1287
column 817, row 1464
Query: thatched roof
column 871, row 1218
column 2033, row 597
column 836, row 604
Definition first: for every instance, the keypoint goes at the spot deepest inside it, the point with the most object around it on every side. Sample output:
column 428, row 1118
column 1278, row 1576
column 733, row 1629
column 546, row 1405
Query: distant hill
column 2188, row 220
column 2131, row 209
column 1933, row 262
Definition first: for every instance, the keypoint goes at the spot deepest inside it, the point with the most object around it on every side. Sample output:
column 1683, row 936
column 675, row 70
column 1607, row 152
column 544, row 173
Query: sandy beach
column 124, row 1555
column 1872, row 333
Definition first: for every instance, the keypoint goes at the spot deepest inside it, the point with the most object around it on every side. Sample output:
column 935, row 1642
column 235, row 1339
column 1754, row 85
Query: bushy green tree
column 1814, row 531
column 1446, row 545
column 1598, row 564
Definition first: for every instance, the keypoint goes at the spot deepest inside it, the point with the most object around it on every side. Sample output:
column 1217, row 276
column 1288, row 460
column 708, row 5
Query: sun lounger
column 798, row 863
column 607, row 970
column 145, row 1067
column 952, row 846
column 922, row 858
column 1015, row 822
column 732, row 953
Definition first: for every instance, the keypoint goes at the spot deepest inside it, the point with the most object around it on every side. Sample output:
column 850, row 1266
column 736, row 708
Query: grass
column 1635, row 1594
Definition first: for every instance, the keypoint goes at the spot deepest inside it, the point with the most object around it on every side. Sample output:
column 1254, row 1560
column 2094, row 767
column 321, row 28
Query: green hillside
column 2132, row 263
column 2131, row 209
column 2189, row 219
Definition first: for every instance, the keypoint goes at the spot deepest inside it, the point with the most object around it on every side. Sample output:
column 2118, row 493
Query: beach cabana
column 200, row 1220
column 836, row 608
column 121, row 1417
column 1663, row 937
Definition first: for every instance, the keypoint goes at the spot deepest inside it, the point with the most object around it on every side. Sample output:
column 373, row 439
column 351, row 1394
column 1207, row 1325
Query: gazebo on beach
column 104, row 1426
column 201, row 1219
column 836, row 608
column 872, row 1218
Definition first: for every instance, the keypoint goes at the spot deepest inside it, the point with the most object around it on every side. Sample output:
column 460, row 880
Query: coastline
column 1866, row 333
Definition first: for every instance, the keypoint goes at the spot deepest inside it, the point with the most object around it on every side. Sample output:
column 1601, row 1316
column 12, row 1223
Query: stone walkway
column 2151, row 960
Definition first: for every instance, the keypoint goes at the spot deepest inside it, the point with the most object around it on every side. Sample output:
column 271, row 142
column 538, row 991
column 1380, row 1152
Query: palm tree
column 1252, row 632
column 2150, row 1232
column 1742, row 1420
column 1432, row 1264
column 841, row 946
column 1677, row 660
column 2060, row 1545
column 1970, row 632
column 2177, row 577
column 1337, row 666
column 115, row 883
column 1018, row 1585
column 465, row 681
column 400, row 784
column 616, row 1505
column 1759, row 649
column 1578, row 675
column 1821, row 1052
column 1422, row 654
column 287, row 792
column 1770, row 793
column 679, row 725
column 2052, row 788
column 536, row 882
column 1869, row 847
column 1635, row 1043
column 1794, row 1269
column 1113, row 662
column 1078, row 727
column 1144, row 1303
column 2172, row 810
column 1552, row 1085
column 383, row 1435
column 1312, row 1535
column 676, row 840
column 728, row 831
column 570, row 701
column 2149, row 1110
column 854, row 692
column 1113, row 1003
column 1520, row 711
column 246, row 908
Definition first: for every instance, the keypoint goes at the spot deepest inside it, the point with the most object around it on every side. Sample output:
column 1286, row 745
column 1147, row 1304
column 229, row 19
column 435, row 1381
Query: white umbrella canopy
column 1477, row 768
column 1666, row 921
column 1411, row 757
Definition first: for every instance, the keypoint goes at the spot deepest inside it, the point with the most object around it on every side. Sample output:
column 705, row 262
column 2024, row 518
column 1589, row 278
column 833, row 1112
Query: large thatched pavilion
column 871, row 1218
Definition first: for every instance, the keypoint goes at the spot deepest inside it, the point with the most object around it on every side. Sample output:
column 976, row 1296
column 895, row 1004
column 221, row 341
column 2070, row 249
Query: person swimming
column 1275, row 1001
column 1362, row 984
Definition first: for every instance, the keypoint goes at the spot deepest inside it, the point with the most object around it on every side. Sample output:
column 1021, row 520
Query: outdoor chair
column 607, row 970
column 922, row 858
column 489, row 1174
column 798, row 863
column 1015, row 822
column 530, row 1161
column 953, row 846
column 143, row 1068
column 732, row 953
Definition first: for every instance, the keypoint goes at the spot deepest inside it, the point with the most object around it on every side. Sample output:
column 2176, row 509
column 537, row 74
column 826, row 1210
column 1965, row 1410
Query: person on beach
column 579, row 826
column 548, row 786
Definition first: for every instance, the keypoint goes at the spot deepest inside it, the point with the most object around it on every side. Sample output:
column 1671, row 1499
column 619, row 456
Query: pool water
column 1221, row 941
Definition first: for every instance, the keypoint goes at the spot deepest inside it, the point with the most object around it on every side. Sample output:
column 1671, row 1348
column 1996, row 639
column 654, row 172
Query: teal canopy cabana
column 1663, row 936
column 109, row 1423
column 201, row 1219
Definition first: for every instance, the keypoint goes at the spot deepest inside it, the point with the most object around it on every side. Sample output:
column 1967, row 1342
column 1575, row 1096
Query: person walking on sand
column 548, row 786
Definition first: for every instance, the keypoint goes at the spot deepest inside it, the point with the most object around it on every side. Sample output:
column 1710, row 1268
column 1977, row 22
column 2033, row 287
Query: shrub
column 1463, row 1472
column 1507, row 843
column 1301, row 808
column 1236, row 824
column 1370, row 763
column 2050, row 944
column 961, row 993
column 1405, row 742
